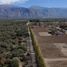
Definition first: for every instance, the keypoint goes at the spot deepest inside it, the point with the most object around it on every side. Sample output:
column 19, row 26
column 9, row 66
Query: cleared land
column 52, row 47
column 58, row 64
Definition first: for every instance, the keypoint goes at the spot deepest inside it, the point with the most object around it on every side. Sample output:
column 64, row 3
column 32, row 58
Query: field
column 58, row 64
column 53, row 47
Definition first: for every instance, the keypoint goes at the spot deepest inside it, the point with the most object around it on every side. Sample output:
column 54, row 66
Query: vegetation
column 15, row 62
column 49, row 20
column 39, row 58
column 13, row 36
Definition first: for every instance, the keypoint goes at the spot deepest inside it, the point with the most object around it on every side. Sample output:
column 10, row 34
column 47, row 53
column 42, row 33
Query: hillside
column 13, row 12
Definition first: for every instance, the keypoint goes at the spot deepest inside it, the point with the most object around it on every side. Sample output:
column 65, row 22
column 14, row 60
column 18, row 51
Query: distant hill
column 35, row 12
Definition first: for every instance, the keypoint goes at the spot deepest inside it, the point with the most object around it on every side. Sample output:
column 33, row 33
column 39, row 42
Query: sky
column 42, row 3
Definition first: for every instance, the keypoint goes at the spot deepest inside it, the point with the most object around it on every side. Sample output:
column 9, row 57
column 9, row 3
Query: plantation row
column 39, row 57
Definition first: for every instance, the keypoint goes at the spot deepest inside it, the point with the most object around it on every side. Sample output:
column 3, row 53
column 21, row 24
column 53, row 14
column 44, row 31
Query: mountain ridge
column 14, row 12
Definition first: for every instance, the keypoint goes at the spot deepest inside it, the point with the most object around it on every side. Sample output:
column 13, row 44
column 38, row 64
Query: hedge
column 39, row 57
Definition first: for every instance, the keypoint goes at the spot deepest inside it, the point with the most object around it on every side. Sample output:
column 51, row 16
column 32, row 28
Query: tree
column 15, row 62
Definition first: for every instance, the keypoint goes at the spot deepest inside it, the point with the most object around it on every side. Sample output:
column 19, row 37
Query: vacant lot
column 58, row 64
column 52, row 47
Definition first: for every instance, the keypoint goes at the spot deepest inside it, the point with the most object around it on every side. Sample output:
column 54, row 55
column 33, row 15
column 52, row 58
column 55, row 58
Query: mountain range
column 34, row 12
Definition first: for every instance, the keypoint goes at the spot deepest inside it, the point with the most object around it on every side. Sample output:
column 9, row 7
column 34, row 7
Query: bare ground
column 52, row 52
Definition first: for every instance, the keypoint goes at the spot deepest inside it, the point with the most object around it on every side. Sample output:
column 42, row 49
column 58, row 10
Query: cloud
column 11, row 1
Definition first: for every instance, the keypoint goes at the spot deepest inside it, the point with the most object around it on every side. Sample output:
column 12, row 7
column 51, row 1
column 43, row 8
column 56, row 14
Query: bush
column 14, row 62
column 22, row 32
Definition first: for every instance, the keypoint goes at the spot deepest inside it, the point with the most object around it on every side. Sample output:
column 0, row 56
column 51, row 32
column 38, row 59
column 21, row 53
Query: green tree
column 15, row 62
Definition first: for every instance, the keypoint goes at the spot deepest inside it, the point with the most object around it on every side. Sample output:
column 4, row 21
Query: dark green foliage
column 11, row 33
column 22, row 32
column 14, row 62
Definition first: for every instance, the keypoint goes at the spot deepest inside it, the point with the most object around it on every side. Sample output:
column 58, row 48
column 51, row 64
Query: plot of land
column 44, row 34
column 52, row 47
column 58, row 64
column 62, row 47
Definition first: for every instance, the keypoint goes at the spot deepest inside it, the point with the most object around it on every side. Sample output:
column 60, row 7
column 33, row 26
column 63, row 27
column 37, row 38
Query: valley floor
column 53, row 47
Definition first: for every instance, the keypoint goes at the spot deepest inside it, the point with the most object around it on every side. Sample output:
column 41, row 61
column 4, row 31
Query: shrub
column 14, row 62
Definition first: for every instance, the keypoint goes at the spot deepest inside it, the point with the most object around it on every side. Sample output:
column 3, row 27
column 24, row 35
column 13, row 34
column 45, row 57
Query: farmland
column 52, row 40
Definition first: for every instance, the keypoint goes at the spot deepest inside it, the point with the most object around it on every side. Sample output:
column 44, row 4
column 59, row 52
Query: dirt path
column 53, row 60
column 20, row 64
column 56, row 59
column 30, row 49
